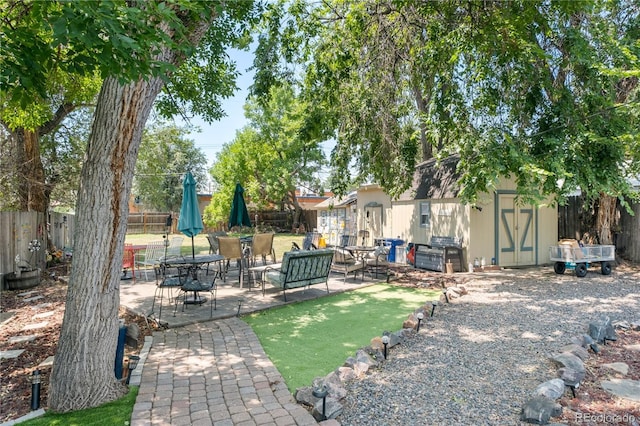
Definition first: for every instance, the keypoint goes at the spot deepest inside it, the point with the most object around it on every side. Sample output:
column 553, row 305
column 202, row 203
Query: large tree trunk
column 628, row 240
column 83, row 371
column 607, row 218
column 31, row 191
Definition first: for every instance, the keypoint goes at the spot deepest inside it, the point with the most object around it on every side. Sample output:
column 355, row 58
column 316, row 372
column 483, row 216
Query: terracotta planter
column 27, row 279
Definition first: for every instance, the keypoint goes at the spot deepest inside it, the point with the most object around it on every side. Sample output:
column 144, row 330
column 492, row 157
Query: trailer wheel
column 559, row 267
column 581, row 270
column 605, row 268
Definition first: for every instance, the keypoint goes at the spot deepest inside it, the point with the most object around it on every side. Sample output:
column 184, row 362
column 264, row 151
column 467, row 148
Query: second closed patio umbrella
column 190, row 222
column 239, row 215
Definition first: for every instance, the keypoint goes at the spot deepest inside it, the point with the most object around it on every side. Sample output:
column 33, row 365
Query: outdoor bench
column 300, row 268
column 438, row 252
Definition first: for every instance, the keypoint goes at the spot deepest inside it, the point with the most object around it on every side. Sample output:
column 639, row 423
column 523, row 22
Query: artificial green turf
column 312, row 338
column 113, row 413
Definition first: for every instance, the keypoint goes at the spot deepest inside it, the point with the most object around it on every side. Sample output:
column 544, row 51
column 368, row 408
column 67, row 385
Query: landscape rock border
column 326, row 410
column 542, row 406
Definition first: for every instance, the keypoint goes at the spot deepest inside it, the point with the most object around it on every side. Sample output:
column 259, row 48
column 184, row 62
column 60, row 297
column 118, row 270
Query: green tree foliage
column 134, row 47
column 165, row 155
column 59, row 52
column 277, row 152
column 535, row 91
column 62, row 153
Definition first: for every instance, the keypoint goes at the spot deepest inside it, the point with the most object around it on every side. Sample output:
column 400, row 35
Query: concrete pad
column 624, row 388
column 11, row 354
column 35, row 326
column 20, row 339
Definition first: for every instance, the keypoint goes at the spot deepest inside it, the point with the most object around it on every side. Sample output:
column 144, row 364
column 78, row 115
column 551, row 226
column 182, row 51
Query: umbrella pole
column 193, row 249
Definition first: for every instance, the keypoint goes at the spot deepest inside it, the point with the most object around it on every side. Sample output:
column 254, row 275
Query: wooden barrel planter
column 26, row 279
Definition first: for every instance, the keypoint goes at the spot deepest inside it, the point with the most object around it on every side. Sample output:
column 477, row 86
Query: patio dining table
column 189, row 267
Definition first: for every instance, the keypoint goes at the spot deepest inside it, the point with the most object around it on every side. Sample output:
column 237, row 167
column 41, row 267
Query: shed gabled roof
column 434, row 179
column 334, row 201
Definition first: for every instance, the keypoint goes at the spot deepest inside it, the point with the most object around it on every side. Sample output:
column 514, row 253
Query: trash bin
column 122, row 335
column 392, row 243
column 401, row 254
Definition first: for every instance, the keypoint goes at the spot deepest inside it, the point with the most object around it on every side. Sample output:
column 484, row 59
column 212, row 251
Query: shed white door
column 373, row 223
column 516, row 232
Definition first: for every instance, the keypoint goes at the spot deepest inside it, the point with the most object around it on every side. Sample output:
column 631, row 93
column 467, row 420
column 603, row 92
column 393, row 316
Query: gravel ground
column 480, row 357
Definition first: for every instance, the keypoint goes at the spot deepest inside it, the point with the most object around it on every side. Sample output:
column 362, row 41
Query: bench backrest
column 442, row 242
column 306, row 265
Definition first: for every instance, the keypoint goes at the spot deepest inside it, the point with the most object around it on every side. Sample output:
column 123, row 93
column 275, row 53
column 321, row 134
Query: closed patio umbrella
column 190, row 222
column 239, row 215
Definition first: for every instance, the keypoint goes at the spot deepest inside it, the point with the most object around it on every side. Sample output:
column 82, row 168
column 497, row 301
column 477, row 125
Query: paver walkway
column 213, row 373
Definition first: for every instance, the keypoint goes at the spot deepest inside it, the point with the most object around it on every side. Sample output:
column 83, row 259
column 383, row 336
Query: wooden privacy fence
column 150, row 223
column 18, row 229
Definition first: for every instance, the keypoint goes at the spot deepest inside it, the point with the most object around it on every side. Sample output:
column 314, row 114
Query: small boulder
column 602, row 330
column 577, row 350
column 552, row 389
column 345, row 374
column 566, row 359
column 571, row 377
column 539, row 410
column 332, row 409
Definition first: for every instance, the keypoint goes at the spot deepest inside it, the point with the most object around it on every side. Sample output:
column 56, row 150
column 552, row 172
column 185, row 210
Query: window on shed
column 425, row 213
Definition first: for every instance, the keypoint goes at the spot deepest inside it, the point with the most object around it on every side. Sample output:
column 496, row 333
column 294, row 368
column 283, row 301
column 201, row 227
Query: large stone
column 571, row 377
column 623, row 388
column 602, row 330
column 332, row 409
column 334, row 386
column 539, row 410
column 360, row 368
column 552, row 389
column 305, row 396
column 345, row 374
column 363, row 357
column 576, row 350
column 566, row 359
column 410, row 323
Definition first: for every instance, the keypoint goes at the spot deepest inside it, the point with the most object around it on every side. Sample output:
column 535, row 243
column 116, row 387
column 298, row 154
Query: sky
column 213, row 136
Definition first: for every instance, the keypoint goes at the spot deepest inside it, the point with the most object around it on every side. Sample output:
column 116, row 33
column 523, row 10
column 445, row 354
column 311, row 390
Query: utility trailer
column 571, row 255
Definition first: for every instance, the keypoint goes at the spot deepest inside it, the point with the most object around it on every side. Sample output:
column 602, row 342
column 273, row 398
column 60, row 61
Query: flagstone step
column 34, row 298
column 35, row 326
column 25, row 338
column 41, row 306
column 27, row 293
column 15, row 353
column 44, row 314
column 47, row 362
column 5, row 317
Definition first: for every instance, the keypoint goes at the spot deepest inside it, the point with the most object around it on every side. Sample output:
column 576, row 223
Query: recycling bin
column 392, row 243
column 117, row 368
